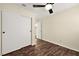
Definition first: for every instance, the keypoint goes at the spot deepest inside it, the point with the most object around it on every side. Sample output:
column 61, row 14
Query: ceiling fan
column 48, row 7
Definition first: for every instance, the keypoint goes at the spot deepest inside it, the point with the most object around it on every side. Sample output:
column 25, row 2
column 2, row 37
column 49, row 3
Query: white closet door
column 16, row 31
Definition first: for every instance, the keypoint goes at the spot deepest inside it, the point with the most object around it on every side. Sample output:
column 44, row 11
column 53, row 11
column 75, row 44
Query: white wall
column 0, row 33
column 62, row 28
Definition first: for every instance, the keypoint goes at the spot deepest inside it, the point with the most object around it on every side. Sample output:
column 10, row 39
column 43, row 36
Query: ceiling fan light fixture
column 48, row 7
column 50, row 11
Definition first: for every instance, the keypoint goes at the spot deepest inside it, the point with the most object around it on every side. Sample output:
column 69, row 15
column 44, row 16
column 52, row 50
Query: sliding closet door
column 15, row 31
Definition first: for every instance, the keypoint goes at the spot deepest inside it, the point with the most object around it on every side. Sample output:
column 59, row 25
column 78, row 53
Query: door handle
column 3, row 32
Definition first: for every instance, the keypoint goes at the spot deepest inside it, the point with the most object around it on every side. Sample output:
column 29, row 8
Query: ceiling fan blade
column 38, row 5
column 50, row 3
column 50, row 11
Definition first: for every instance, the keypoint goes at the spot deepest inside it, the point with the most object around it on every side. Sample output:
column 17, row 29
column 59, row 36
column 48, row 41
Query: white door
column 15, row 31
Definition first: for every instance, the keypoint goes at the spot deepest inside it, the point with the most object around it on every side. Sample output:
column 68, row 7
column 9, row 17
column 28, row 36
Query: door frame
column 2, row 29
column 1, row 32
column 31, row 30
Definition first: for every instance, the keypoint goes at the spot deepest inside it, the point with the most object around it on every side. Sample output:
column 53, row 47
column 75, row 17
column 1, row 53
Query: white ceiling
column 57, row 7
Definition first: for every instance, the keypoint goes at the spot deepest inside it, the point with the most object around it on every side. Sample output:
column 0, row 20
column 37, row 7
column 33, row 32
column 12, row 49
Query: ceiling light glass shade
column 48, row 7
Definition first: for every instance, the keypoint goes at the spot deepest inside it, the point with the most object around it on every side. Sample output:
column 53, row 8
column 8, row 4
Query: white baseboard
column 62, row 45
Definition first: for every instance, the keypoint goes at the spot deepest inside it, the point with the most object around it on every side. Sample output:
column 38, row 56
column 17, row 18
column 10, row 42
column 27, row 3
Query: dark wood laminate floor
column 43, row 48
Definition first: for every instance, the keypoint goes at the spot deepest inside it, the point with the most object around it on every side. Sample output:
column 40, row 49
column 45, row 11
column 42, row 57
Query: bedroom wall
column 62, row 28
column 0, row 32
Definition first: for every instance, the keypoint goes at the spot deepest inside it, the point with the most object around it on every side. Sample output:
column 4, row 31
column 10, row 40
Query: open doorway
column 38, row 29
